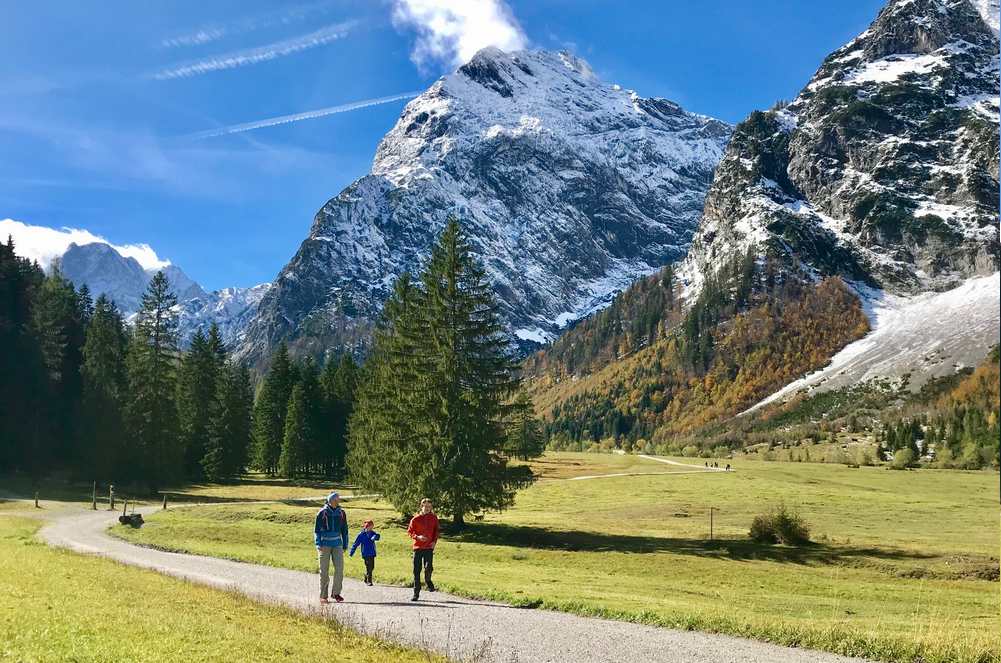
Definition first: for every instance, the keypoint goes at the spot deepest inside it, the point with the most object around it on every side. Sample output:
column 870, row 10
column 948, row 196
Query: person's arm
column 316, row 530
column 410, row 529
column 434, row 534
column 354, row 545
column 344, row 529
column 375, row 536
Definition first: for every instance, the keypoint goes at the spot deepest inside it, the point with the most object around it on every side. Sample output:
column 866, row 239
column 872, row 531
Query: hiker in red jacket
column 423, row 530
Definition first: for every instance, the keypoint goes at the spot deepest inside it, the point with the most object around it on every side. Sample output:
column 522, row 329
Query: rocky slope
column 105, row 271
column 569, row 188
column 884, row 169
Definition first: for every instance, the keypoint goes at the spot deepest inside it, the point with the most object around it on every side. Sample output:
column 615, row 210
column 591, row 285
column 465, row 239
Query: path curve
column 457, row 627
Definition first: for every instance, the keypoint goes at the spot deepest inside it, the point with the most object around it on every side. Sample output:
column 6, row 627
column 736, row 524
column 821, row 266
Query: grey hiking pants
column 326, row 554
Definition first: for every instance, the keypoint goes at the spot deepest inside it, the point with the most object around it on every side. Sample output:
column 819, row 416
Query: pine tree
column 104, row 352
column 229, row 429
column 338, row 385
column 23, row 378
column 298, row 433
column 196, row 391
column 445, row 374
column 151, row 409
column 523, row 430
column 270, row 410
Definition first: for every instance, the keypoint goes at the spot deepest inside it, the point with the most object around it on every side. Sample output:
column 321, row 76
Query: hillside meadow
column 903, row 566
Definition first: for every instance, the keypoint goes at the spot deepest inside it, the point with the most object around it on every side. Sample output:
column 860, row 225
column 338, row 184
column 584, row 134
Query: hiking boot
column 431, row 587
column 338, row 598
column 415, row 596
column 324, row 601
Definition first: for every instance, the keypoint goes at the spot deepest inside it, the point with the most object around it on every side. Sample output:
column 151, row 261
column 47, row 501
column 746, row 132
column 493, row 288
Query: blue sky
column 107, row 107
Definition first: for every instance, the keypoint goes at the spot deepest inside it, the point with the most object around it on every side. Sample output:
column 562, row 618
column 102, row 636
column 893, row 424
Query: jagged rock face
column 885, row 167
column 123, row 280
column 568, row 188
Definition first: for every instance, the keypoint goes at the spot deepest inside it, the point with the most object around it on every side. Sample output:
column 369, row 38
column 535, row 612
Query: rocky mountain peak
column 884, row 169
column 569, row 188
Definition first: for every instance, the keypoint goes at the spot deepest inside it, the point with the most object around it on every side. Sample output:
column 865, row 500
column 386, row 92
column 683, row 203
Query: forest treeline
column 435, row 411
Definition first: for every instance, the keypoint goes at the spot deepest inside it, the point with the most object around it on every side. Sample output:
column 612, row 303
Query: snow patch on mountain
column 913, row 338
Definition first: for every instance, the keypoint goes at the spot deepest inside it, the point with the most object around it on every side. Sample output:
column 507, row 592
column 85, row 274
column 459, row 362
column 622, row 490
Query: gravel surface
column 462, row 629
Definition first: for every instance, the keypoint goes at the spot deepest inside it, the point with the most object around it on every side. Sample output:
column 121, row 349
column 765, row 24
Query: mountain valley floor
column 903, row 564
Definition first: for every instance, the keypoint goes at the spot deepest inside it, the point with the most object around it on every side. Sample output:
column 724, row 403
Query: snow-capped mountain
column 106, row 271
column 568, row 187
column 884, row 169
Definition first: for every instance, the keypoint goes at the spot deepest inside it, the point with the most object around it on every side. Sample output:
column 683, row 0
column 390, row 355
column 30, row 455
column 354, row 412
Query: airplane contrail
column 296, row 117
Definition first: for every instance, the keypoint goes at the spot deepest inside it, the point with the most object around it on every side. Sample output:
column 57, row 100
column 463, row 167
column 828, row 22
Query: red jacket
column 426, row 524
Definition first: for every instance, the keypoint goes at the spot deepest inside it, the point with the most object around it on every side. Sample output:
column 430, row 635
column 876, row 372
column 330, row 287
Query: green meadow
column 61, row 606
column 903, row 565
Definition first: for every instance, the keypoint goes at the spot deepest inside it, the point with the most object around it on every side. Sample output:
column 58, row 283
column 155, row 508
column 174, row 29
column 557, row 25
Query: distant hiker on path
column 331, row 536
column 423, row 530
column 366, row 539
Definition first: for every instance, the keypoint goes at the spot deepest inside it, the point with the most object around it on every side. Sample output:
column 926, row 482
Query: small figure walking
column 366, row 539
column 331, row 537
column 423, row 530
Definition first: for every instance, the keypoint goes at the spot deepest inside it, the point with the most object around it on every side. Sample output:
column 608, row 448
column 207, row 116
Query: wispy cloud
column 45, row 244
column 212, row 32
column 296, row 117
column 249, row 56
column 452, row 31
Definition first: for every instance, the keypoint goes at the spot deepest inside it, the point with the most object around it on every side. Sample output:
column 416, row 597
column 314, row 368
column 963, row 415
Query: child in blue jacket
column 366, row 539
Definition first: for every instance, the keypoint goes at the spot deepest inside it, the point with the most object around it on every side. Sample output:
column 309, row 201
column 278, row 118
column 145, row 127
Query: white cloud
column 452, row 31
column 264, row 53
column 296, row 117
column 45, row 244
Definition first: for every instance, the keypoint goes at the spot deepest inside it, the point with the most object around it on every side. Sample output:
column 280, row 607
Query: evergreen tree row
column 83, row 393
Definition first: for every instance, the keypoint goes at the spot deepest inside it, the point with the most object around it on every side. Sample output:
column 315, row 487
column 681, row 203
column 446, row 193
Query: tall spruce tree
column 23, row 378
column 298, row 433
column 104, row 386
column 151, row 409
column 59, row 327
column 270, row 410
column 524, row 431
column 196, row 391
column 338, row 385
column 445, row 374
column 229, row 430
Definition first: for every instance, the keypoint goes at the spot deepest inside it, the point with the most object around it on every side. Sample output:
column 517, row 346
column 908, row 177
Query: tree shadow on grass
column 543, row 538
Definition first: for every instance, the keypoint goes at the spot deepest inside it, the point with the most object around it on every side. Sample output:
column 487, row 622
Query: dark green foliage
column 104, row 391
column 196, row 389
column 432, row 402
column 270, row 409
column 338, row 384
column 151, row 409
column 229, row 427
column 523, row 430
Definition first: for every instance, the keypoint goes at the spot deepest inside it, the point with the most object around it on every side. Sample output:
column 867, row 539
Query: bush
column 780, row 526
column 903, row 459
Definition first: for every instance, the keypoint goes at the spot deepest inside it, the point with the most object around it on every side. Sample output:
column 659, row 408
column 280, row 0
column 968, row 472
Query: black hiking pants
column 369, row 568
column 423, row 559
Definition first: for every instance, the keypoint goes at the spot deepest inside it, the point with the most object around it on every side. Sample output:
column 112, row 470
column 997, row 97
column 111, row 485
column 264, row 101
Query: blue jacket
column 331, row 529
column 366, row 540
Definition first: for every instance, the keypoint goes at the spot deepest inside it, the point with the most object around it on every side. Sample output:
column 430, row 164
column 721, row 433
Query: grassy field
column 60, row 606
column 904, row 567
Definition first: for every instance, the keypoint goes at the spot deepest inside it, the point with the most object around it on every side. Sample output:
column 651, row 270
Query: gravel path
column 457, row 627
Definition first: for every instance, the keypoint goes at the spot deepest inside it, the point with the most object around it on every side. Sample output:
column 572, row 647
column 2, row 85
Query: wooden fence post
column 93, row 498
column 36, row 500
column 165, row 501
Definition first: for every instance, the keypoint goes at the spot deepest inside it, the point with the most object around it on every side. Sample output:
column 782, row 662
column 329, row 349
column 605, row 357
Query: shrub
column 780, row 526
column 902, row 459
column 691, row 451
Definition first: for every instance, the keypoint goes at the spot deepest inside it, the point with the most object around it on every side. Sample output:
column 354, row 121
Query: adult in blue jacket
column 331, row 538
